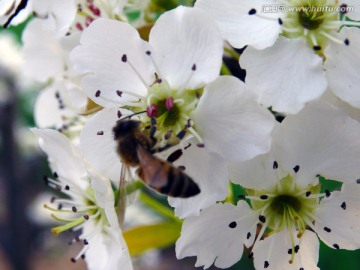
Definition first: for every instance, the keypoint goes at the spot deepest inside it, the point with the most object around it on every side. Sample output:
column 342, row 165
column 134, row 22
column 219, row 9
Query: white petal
column 273, row 251
column 43, row 56
column 257, row 173
column 103, row 46
column 285, row 76
column 209, row 172
column 182, row 38
column 211, row 238
column 340, row 214
column 320, row 139
column 48, row 112
column 111, row 248
column 241, row 29
column 64, row 158
column 98, row 144
column 354, row 9
column 230, row 121
column 105, row 198
column 342, row 66
column 62, row 13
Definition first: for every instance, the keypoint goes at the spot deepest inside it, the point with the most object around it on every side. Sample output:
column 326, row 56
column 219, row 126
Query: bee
column 136, row 148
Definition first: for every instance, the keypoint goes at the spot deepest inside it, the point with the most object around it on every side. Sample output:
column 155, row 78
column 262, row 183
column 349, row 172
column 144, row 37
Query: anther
column 169, row 103
column 181, row 134
column 347, row 42
column 74, row 209
column 264, row 197
column 297, row 247
column 200, row 145
column 193, row 68
column 275, row 165
column 82, row 256
column 343, row 9
column 248, row 235
column 296, row 168
column 85, row 242
column 97, row 93
column 100, row 133
column 317, row 48
column 343, row 205
column 86, row 217
column 232, row 225
column 251, row 255
column 55, row 175
column 327, row 193
column 168, row 134
column 73, row 260
column 252, row 11
column 52, row 200
column 148, row 52
column 358, row 181
column 266, row 264
column 67, row 187
column 243, row 197
column 124, row 58
column 152, row 111
column 280, row 21
column 262, row 218
column 308, row 193
column 119, row 93
column 119, row 114
column 336, row 246
column 326, row 229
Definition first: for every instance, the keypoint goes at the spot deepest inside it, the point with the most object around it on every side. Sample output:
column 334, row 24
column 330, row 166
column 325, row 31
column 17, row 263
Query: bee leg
column 152, row 131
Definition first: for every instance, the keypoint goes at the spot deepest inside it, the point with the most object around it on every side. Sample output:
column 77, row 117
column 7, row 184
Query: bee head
column 125, row 127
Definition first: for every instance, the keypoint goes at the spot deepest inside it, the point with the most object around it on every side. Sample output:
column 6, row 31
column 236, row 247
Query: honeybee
column 136, row 148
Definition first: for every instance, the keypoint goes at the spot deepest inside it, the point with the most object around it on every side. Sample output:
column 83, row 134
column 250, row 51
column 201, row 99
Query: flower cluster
column 140, row 90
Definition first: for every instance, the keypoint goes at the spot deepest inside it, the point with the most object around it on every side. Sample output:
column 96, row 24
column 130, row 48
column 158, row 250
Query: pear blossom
column 172, row 83
column 288, row 210
column 89, row 208
column 299, row 47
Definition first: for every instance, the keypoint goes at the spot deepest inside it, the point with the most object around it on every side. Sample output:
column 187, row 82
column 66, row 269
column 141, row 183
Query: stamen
column 196, row 135
column 330, row 37
column 125, row 59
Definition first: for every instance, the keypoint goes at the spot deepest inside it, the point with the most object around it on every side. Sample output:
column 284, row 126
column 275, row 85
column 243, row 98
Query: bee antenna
column 131, row 115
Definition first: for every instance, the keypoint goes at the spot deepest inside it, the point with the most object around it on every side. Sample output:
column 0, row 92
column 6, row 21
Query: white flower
column 90, row 206
column 174, row 79
column 288, row 210
column 46, row 60
column 297, row 40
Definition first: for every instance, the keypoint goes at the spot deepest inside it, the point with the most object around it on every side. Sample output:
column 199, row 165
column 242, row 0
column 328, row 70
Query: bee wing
column 122, row 195
column 151, row 169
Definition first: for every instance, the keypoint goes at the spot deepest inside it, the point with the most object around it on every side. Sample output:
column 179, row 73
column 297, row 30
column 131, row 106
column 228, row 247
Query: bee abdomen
column 179, row 185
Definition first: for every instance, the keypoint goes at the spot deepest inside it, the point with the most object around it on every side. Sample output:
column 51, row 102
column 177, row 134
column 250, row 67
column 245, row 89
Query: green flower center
column 168, row 112
column 311, row 20
column 283, row 203
column 317, row 21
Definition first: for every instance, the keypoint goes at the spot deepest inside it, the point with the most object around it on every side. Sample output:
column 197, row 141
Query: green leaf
column 144, row 238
